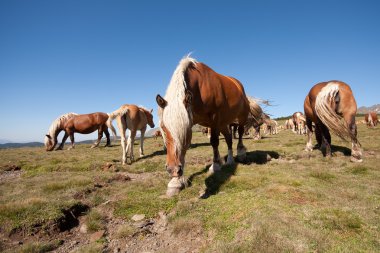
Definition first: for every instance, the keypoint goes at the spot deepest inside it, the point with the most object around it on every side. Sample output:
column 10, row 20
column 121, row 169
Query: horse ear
column 48, row 136
column 188, row 98
column 151, row 110
column 161, row 101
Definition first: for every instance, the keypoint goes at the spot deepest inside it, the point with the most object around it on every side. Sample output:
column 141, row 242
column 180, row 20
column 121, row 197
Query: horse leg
column 63, row 141
column 241, row 150
column 122, row 128
column 326, row 140
column 214, row 140
column 356, row 153
column 228, row 137
column 107, row 133
column 100, row 135
column 142, row 141
column 309, row 131
column 72, row 140
column 130, row 142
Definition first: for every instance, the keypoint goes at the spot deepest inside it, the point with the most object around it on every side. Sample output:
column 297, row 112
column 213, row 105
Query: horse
column 289, row 124
column 332, row 107
column 78, row 123
column 299, row 123
column 371, row 119
column 134, row 118
column 198, row 95
column 157, row 133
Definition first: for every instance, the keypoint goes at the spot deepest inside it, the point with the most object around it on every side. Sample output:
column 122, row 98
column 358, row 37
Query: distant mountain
column 8, row 144
column 364, row 109
column 2, row 141
column 19, row 145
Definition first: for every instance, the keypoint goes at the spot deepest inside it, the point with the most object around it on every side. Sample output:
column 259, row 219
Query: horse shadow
column 214, row 181
column 260, row 156
column 202, row 144
column 155, row 153
column 346, row 151
column 334, row 149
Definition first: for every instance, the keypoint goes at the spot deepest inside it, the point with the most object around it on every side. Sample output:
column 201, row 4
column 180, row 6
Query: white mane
column 175, row 116
column 328, row 95
column 55, row 126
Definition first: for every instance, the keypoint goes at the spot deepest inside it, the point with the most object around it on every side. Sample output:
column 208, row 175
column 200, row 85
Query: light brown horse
column 332, row 107
column 78, row 123
column 299, row 122
column 371, row 119
column 134, row 118
column 198, row 95
column 157, row 133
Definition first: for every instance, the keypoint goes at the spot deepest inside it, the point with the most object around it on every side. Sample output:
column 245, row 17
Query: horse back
column 135, row 118
column 86, row 123
column 217, row 99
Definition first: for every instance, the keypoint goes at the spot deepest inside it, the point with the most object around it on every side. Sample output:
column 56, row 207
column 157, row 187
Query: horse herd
column 198, row 95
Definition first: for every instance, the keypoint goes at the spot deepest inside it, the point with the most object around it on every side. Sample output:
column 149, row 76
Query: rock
column 138, row 217
column 83, row 229
column 97, row 235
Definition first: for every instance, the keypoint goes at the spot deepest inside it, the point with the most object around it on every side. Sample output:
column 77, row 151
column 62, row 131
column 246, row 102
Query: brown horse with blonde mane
column 332, row 107
column 198, row 95
column 78, row 123
column 134, row 118
column 371, row 119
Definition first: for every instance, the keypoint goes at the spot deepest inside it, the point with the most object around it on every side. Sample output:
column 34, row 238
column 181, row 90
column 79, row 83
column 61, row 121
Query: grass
column 297, row 202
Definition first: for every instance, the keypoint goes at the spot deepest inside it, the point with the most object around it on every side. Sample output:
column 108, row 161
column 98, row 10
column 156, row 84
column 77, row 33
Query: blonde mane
column 56, row 125
column 325, row 110
column 176, row 117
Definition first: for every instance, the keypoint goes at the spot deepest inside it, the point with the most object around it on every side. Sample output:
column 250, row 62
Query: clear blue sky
column 87, row 56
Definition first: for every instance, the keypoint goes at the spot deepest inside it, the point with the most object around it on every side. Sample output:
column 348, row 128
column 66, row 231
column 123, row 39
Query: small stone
column 83, row 229
column 138, row 217
column 97, row 235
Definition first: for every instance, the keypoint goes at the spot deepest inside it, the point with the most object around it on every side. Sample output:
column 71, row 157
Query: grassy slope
column 299, row 202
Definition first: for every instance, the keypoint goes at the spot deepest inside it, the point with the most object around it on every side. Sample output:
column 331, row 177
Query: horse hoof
column 230, row 161
column 356, row 160
column 215, row 167
column 175, row 185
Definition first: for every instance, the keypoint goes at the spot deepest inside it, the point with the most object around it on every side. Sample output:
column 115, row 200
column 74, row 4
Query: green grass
column 297, row 202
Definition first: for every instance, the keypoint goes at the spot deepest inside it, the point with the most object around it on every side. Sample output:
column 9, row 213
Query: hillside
column 281, row 199
column 363, row 109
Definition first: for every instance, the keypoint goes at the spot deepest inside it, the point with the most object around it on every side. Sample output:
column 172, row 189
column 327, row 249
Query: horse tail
column 110, row 126
column 111, row 116
column 327, row 101
column 255, row 109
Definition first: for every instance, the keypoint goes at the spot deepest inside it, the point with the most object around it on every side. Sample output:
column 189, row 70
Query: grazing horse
column 289, row 124
column 134, row 118
column 157, row 133
column 198, row 95
column 78, row 123
column 332, row 107
column 299, row 123
column 371, row 119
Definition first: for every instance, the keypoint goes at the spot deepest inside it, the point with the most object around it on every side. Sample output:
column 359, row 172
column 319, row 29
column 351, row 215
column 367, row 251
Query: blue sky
column 87, row 56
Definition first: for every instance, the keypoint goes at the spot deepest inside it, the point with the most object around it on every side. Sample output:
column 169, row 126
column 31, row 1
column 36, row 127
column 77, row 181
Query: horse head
column 149, row 117
column 49, row 142
column 175, row 124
